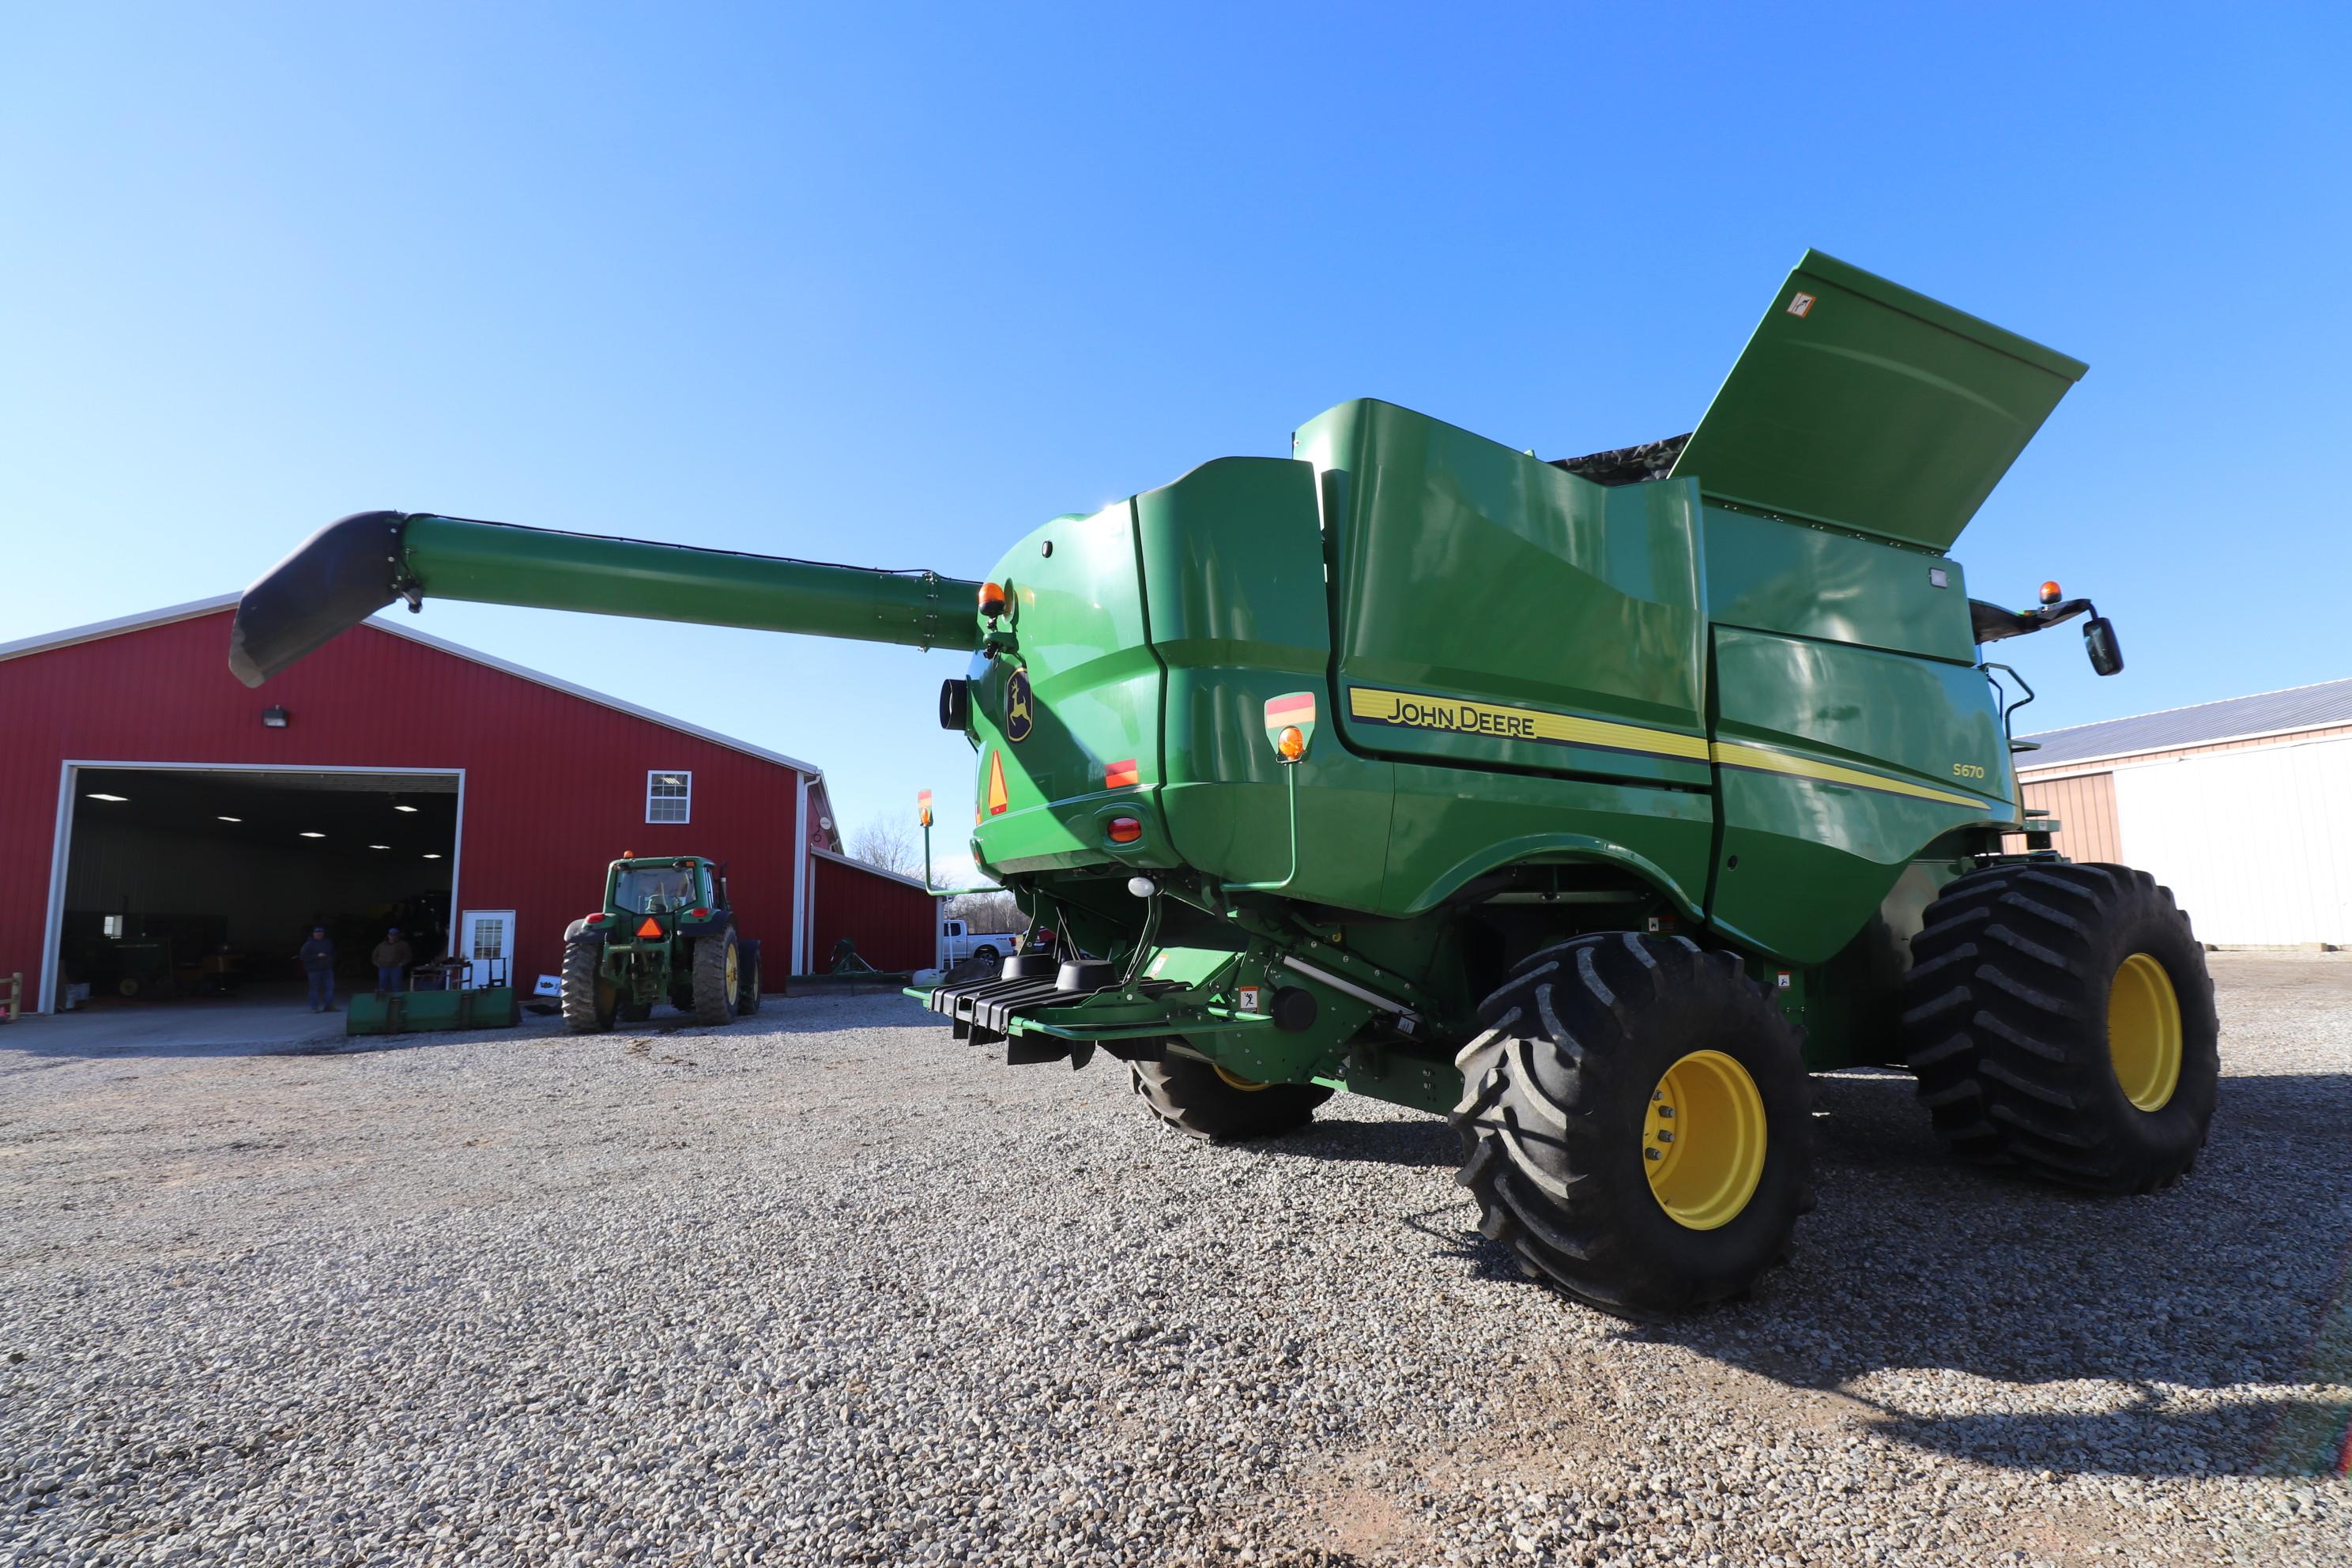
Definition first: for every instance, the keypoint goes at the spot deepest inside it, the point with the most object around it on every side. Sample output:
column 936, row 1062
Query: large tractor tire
column 747, row 990
column 717, row 977
column 2060, row 1019
column 1636, row 1124
column 1204, row 1100
column 590, row 1001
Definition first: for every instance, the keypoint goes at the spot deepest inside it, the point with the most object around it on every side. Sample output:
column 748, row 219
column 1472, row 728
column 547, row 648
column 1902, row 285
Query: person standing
column 318, row 957
column 391, row 958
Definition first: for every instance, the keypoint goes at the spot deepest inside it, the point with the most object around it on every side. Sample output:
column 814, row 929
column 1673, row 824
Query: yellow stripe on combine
column 1757, row 760
column 1411, row 710
column 1501, row 722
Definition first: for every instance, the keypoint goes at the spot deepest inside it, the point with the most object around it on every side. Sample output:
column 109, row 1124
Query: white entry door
column 486, row 937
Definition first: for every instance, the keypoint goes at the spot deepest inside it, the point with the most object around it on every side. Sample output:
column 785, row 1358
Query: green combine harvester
column 1591, row 803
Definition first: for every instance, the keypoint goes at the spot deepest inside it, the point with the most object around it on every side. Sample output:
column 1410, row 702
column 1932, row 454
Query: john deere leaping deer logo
column 1017, row 704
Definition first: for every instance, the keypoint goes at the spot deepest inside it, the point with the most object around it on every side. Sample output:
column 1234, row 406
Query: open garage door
column 192, row 884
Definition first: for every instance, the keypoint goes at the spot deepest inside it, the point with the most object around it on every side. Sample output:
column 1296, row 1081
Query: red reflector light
column 597, row 919
column 1125, row 830
column 651, row 927
column 697, row 914
column 1122, row 775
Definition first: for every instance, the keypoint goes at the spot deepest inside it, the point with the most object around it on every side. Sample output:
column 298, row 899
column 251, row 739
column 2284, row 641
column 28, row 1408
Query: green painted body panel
column 1093, row 686
column 1817, row 854
column 1463, row 569
column 1814, row 582
column 1233, row 567
column 1875, row 408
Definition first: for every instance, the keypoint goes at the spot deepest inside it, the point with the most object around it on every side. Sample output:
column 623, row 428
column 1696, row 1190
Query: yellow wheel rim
column 734, row 981
column 1702, row 1141
column 1247, row 1086
column 2144, row 1032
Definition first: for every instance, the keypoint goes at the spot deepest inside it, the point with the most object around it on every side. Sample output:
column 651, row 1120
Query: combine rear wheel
column 1636, row 1124
column 2061, row 1017
column 590, row 1001
column 1205, row 1101
column 717, row 977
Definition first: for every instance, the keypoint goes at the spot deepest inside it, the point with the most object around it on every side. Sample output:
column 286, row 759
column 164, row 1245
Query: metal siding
column 2085, row 807
column 554, row 782
column 895, row 926
column 2254, row 842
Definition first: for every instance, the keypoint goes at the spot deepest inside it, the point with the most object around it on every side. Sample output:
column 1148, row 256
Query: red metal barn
column 893, row 921
column 164, row 830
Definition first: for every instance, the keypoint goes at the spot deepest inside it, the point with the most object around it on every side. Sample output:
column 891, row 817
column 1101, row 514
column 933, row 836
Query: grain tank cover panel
column 1861, row 403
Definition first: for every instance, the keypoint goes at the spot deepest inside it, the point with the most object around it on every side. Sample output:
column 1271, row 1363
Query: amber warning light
column 2052, row 593
column 991, row 600
column 923, row 808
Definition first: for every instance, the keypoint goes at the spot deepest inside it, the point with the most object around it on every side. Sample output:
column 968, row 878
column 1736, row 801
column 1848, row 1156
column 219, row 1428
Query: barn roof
column 96, row 630
column 2233, row 719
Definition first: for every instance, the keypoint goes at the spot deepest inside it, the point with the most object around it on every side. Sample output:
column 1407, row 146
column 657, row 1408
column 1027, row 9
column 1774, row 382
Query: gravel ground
column 830, row 1289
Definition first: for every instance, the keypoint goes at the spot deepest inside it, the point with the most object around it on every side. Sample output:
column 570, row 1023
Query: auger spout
column 354, row 567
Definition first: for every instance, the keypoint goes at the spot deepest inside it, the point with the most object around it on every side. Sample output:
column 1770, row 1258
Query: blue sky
column 893, row 285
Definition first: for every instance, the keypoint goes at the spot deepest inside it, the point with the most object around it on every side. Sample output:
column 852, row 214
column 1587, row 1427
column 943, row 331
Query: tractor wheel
column 1207, row 1102
column 590, row 1001
column 1636, row 1124
column 2061, row 1017
column 747, row 993
column 717, row 977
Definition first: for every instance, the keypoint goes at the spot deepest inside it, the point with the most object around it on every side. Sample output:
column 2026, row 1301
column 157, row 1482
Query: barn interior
column 185, row 884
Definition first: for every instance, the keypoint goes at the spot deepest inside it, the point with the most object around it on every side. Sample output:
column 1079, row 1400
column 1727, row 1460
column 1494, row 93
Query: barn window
column 669, row 795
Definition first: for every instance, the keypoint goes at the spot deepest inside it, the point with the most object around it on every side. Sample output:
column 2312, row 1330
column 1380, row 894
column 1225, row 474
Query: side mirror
column 2099, row 642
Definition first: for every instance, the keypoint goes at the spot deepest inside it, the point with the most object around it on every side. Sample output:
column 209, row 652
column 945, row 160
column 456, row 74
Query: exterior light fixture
column 404, row 808
column 308, row 834
column 100, row 795
column 273, row 718
column 378, row 845
column 433, row 856
column 228, row 819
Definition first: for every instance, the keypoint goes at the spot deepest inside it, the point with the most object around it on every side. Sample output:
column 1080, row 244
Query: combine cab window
column 669, row 795
column 653, row 889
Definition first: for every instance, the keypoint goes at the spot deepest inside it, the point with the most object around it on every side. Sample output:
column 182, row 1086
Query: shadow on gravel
column 1413, row 1143
column 2218, row 1314
column 2219, row 1305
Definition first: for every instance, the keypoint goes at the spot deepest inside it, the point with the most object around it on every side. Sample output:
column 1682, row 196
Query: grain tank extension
column 1591, row 803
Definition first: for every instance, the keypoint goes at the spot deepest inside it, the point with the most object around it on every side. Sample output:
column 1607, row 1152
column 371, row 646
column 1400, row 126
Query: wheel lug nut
column 1652, row 1154
column 1665, row 1136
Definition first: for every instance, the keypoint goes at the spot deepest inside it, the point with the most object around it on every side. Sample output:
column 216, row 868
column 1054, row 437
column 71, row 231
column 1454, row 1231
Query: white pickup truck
column 958, row 942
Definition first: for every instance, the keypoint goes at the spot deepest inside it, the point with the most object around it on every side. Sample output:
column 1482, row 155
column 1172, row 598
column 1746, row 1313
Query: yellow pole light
column 923, row 807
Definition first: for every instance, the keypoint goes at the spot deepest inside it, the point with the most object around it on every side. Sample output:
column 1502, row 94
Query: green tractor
column 1592, row 802
column 665, row 932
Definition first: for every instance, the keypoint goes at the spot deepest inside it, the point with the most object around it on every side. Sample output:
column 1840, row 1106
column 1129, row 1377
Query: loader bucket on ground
column 1858, row 402
column 401, row 1011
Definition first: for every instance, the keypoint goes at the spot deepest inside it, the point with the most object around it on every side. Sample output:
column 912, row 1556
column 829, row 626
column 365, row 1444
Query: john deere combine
column 1592, row 802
